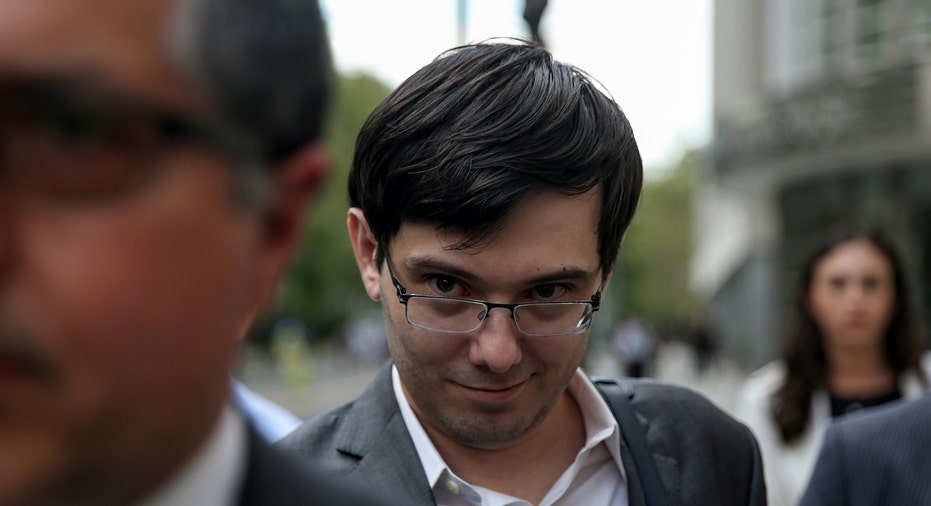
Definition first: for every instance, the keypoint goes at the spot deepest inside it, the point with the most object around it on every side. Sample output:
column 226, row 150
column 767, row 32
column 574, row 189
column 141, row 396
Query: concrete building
column 822, row 117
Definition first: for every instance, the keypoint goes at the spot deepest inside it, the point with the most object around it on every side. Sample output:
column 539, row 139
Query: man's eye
column 445, row 286
column 548, row 292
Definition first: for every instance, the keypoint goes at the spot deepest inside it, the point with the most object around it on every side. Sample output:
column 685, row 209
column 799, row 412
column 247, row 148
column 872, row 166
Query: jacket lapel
column 375, row 433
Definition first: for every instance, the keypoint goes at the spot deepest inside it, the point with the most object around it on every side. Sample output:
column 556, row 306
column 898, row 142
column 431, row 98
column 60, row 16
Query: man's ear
column 365, row 248
column 295, row 183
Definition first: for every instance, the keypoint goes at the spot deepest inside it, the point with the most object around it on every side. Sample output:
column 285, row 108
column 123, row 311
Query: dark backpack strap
column 618, row 395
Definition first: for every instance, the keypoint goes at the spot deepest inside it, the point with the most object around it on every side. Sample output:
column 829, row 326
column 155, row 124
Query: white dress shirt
column 214, row 475
column 595, row 478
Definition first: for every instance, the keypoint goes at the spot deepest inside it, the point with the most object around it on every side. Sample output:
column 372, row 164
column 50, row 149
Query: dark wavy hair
column 462, row 141
column 804, row 354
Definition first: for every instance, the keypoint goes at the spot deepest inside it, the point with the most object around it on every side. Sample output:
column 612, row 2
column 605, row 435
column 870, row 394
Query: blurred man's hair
column 266, row 65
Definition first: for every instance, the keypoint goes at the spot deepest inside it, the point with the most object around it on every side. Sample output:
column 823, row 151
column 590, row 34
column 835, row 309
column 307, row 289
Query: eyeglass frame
column 404, row 297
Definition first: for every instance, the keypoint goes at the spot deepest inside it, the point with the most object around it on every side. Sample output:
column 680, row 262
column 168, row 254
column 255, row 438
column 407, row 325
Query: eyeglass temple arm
column 596, row 299
column 397, row 282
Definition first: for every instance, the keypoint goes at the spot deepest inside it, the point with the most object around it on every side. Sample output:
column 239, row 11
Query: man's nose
column 497, row 344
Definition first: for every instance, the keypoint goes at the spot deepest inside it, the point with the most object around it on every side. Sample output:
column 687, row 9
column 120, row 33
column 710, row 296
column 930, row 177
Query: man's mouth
column 494, row 394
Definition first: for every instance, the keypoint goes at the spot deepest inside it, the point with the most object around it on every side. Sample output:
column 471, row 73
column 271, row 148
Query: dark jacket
column 877, row 456
column 273, row 478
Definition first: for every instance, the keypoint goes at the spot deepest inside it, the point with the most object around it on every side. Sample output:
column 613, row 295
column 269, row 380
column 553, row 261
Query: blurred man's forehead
column 120, row 43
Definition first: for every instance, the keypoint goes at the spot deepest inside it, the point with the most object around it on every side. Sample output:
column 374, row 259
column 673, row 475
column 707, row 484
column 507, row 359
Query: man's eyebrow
column 430, row 263
column 563, row 274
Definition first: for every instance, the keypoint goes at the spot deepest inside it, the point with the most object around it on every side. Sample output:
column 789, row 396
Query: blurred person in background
column 704, row 341
column 490, row 194
column 853, row 344
column 156, row 159
column 633, row 346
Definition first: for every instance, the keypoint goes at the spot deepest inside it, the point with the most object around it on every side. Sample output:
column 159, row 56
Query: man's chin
column 490, row 432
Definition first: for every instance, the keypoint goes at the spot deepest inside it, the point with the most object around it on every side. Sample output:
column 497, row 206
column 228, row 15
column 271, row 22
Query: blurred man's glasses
column 454, row 315
column 67, row 141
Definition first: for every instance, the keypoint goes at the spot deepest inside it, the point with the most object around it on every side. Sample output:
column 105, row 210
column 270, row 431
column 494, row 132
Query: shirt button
column 452, row 487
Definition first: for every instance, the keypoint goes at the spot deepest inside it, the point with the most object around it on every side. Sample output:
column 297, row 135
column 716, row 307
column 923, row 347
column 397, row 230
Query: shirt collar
column 214, row 474
column 600, row 424
column 433, row 463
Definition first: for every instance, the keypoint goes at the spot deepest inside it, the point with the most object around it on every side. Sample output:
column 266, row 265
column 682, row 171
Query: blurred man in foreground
column 155, row 162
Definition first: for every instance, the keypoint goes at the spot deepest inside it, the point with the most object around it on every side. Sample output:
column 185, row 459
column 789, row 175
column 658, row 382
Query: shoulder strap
column 618, row 394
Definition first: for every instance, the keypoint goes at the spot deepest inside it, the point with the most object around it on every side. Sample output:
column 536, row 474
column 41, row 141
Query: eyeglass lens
column 452, row 315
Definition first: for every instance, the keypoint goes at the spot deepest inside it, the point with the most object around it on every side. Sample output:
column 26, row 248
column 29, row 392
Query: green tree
column 653, row 262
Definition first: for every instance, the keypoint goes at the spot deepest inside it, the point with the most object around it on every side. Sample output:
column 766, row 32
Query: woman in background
column 852, row 344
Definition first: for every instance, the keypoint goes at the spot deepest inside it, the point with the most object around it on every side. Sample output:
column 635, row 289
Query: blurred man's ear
column 295, row 183
column 365, row 248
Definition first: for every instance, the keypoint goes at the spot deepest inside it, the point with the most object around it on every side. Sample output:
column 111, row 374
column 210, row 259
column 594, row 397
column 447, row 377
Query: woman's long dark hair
column 803, row 351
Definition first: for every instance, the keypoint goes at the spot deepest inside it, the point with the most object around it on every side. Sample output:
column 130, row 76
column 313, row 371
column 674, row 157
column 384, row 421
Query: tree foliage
column 654, row 259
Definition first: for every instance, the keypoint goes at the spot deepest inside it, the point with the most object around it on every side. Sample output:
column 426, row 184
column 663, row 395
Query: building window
column 872, row 30
column 919, row 24
column 832, row 37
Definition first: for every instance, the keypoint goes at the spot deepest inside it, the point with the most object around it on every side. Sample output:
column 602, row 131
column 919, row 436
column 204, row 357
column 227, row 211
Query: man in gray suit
column 489, row 196
column 875, row 457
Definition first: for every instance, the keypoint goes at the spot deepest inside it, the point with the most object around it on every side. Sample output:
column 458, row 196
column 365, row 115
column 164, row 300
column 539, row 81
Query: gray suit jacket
column 878, row 456
column 703, row 455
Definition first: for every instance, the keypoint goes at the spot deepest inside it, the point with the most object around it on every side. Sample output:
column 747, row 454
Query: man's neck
column 528, row 468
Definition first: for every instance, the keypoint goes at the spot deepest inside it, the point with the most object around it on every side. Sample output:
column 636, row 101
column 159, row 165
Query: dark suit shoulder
column 877, row 456
column 716, row 457
column 891, row 438
column 665, row 405
column 275, row 478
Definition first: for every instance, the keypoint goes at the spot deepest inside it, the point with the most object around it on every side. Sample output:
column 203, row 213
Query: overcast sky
column 652, row 55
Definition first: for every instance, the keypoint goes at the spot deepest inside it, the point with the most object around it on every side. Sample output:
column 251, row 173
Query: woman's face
column 852, row 296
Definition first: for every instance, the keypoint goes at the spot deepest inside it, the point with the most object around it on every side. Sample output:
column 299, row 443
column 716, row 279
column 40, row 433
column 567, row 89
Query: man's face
column 491, row 387
column 118, row 312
